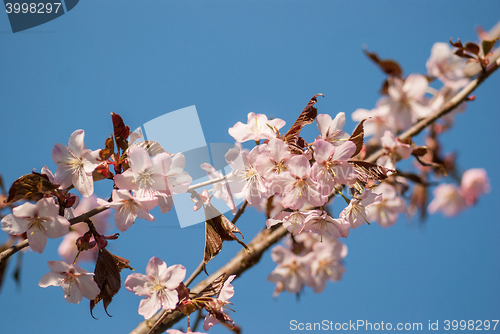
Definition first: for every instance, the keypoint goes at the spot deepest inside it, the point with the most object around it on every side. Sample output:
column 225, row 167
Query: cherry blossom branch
column 243, row 261
column 23, row 244
column 447, row 107
column 266, row 238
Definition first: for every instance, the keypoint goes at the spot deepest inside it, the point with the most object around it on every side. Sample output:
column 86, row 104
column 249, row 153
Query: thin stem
column 206, row 183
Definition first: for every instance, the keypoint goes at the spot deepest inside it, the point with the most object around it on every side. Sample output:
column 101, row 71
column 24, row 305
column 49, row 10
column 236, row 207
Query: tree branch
column 447, row 107
column 266, row 238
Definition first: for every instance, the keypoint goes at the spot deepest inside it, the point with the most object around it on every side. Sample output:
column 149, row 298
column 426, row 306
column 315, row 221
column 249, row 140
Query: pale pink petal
column 173, row 276
column 149, row 306
column 83, row 182
column 50, row 279
column 137, row 283
column 415, row 86
column 240, row 132
column 124, row 218
column 139, row 158
column 89, row 287
column 14, row 225
column 170, row 299
column 155, row 268
column 26, row 210
column 37, row 239
column 72, row 293
column 76, row 143
column 56, row 227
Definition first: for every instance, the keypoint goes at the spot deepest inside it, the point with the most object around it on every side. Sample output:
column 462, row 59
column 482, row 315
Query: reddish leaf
column 472, row 48
column 357, row 137
column 389, row 67
column 213, row 288
column 107, row 276
column 152, row 147
column 121, row 131
column 457, row 44
column 307, row 116
column 31, row 187
column 110, row 148
column 419, row 151
column 367, row 171
column 217, row 229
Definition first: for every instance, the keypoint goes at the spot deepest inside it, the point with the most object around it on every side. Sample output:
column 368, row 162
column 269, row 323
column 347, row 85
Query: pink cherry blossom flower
column 293, row 221
column 220, row 190
column 357, row 210
column 39, row 221
column 75, row 164
column 203, row 199
column 331, row 130
column 258, row 127
column 245, row 180
column 75, row 281
column 394, row 151
column 474, row 184
column 320, row 223
column 129, row 207
column 331, row 165
column 446, row 66
column 292, row 271
column 386, row 212
column 448, row 199
column 295, row 185
column 158, row 286
column 378, row 120
column 406, row 100
column 67, row 249
column 160, row 176
column 326, row 264
column 225, row 294
column 273, row 158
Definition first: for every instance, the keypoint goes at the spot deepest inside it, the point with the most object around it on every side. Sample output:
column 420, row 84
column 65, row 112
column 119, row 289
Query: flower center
column 144, row 179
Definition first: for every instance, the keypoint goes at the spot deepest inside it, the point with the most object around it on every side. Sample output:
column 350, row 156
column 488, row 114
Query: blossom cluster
column 295, row 181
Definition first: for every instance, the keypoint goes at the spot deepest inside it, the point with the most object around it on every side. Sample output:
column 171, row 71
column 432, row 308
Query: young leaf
column 389, row 67
column 457, row 44
column 368, row 171
column 357, row 137
column 213, row 288
column 121, row 131
column 488, row 45
column 31, row 187
column 472, row 48
column 104, row 154
column 307, row 116
column 152, row 147
column 107, row 276
column 217, row 229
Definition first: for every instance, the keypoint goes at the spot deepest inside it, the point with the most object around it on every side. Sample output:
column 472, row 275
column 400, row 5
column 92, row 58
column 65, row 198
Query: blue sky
column 145, row 59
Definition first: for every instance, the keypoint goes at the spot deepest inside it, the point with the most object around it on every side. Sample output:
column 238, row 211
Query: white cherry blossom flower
column 129, row 207
column 75, row 164
column 331, row 130
column 158, row 286
column 258, row 127
column 75, row 281
column 39, row 221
